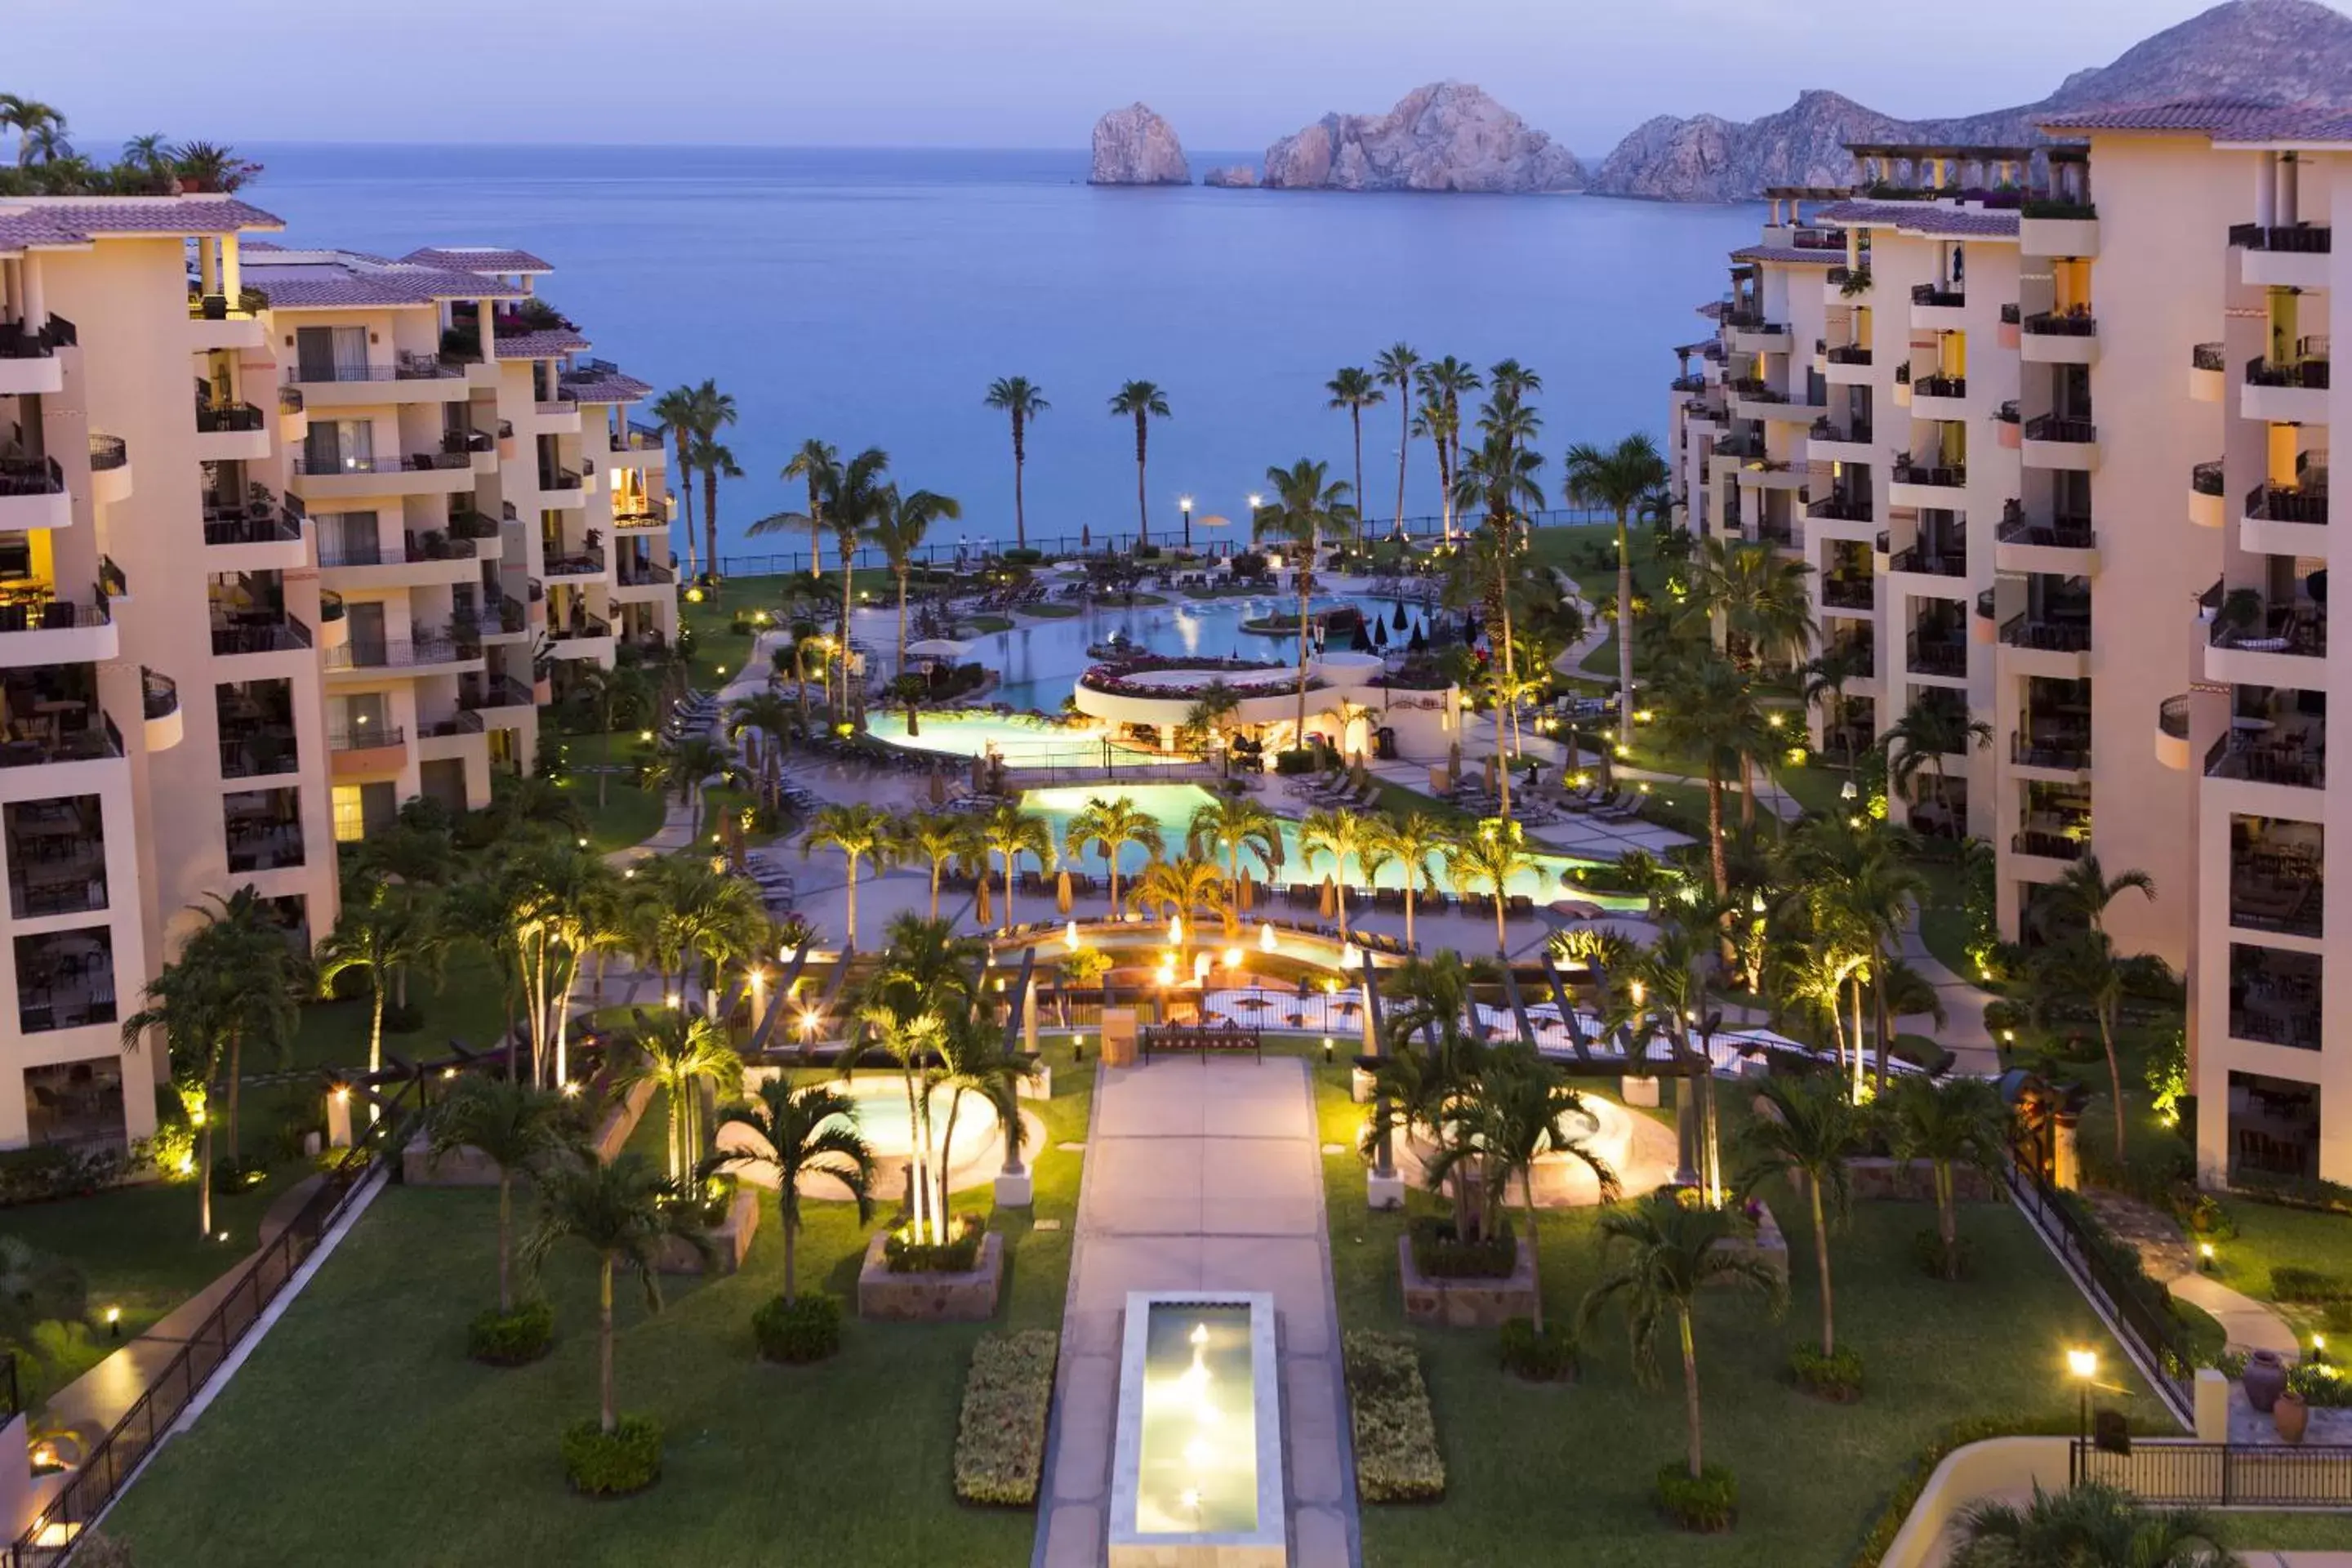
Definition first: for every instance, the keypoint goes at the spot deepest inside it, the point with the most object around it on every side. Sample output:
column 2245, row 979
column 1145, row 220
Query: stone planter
column 457, row 1168
column 969, row 1298
column 1767, row 1246
column 1467, row 1303
column 622, row 1119
column 731, row 1241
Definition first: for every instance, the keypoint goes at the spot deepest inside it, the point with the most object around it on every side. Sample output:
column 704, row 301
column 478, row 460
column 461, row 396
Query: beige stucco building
column 279, row 533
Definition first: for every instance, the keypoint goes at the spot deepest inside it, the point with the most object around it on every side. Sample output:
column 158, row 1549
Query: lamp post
column 2085, row 1366
column 1184, row 505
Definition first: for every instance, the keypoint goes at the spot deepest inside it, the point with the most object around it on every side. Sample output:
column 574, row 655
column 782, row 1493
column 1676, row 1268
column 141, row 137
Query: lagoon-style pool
column 1020, row 740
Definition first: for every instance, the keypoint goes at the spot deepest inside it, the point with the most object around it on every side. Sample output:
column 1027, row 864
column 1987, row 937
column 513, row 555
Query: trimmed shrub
column 46, row 1171
column 1837, row 1378
column 1000, row 1451
column 511, row 1339
column 1018, row 557
column 613, row 1464
column 1397, row 1456
column 2293, row 1282
column 1440, row 1253
column 960, row 1255
column 799, row 1329
column 1708, row 1505
column 2319, row 1384
column 1928, row 1252
column 1294, row 761
column 2293, row 1192
column 1551, row 1356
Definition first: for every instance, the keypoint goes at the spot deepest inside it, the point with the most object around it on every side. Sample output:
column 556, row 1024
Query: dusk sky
column 1230, row 74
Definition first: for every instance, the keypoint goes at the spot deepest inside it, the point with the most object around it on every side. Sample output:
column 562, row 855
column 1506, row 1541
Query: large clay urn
column 2266, row 1380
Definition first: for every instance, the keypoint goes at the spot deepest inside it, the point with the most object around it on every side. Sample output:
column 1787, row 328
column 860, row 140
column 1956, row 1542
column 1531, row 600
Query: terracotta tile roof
column 602, row 384
column 1790, row 255
column 476, row 258
column 548, row 344
column 1933, row 220
column 2222, row 120
column 344, row 279
column 68, row 222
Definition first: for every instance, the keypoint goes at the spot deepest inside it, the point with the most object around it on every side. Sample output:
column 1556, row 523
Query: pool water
column 1196, row 1471
column 1022, row 741
column 1172, row 806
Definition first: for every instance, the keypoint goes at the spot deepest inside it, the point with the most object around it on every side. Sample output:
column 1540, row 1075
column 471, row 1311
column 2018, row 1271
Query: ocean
column 869, row 297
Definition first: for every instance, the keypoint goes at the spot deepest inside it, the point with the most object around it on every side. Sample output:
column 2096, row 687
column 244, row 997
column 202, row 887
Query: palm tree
column 1395, row 368
column 973, row 1061
column 2084, row 971
column 817, row 465
column 715, row 461
column 810, row 1131
column 1827, row 675
column 1354, row 390
column 622, row 695
column 520, row 1129
column 1236, row 824
column 620, row 1213
column 1515, row 1113
column 678, row 410
column 1487, row 569
column 1949, row 1125
column 1930, row 728
column 1761, row 598
column 150, row 154
column 861, row 833
column 766, row 716
column 1185, row 887
column 244, row 947
column 1493, row 854
column 898, row 531
column 1706, row 707
column 1303, row 509
column 1020, row 397
column 1415, row 840
column 678, row 1053
column 384, row 931
column 1442, row 385
column 1861, row 890
column 1619, row 477
column 1806, row 1137
column 942, row 839
column 37, row 125
column 685, row 768
column 189, row 1004
column 1141, row 401
column 2081, row 898
column 2089, row 1525
column 1111, row 825
column 1672, row 1253
column 1011, row 832
column 1344, row 836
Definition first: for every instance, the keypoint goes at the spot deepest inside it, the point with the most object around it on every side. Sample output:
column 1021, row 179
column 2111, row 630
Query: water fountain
column 1197, row 1477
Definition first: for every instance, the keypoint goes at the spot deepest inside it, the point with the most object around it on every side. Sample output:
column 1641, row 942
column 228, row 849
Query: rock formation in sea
column 1133, row 146
column 1231, row 177
column 2262, row 51
column 1447, row 136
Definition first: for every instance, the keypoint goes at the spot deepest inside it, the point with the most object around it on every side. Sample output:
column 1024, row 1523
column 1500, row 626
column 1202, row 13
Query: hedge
column 1707, row 1503
column 1000, row 1451
column 2293, row 1282
column 1397, row 1456
column 1439, row 1254
column 613, row 1464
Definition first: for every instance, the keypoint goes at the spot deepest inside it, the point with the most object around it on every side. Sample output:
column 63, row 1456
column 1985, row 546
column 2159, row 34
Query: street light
column 1184, row 505
column 2085, row 1366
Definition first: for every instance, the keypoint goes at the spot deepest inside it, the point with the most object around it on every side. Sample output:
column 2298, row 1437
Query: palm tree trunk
column 237, row 1083
column 1007, row 927
column 852, row 901
column 1408, row 879
column 1404, row 445
column 1821, row 1261
column 1356, row 419
column 1020, row 460
column 1624, row 634
column 1111, row 854
column 711, row 527
column 1142, row 509
column 935, row 890
column 1502, row 945
column 1947, row 1218
column 204, row 1178
column 1535, row 1252
column 684, row 487
column 1502, row 761
column 1716, row 861
column 1885, row 1028
column 2106, row 1041
column 903, row 571
column 1305, row 597
column 505, row 1231
column 1690, row 1392
column 792, row 1234
column 375, row 1039
column 605, row 1343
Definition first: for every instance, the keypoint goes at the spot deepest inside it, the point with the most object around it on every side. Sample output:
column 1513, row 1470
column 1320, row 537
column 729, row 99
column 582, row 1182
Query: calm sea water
column 869, row 297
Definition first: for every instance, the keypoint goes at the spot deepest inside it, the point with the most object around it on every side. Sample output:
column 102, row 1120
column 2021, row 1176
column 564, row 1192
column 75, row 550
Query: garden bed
column 1467, row 1301
column 931, row 1296
column 999, row 1454
column 729, row 1241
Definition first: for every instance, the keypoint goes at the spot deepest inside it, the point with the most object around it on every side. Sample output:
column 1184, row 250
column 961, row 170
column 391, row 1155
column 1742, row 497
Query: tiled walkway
column 1201, row 1175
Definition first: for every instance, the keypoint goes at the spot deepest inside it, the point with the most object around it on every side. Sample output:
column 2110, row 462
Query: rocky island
column 1231, row 177
column 1447, row 136
column 1133, row 146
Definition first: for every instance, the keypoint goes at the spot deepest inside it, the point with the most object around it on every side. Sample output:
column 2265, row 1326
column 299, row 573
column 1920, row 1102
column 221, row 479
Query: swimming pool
column 1022, row 741
column 1171, row 806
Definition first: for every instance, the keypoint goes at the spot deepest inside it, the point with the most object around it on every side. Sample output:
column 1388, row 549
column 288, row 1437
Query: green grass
column 1531, row 1468
column 1944, row 916
column 845, row 1462
column 2269, row 1235
column 629, row 813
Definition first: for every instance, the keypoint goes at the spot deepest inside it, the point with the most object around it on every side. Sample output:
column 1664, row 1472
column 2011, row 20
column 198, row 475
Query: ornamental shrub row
column 1397, row 1457
column 1000, row 1451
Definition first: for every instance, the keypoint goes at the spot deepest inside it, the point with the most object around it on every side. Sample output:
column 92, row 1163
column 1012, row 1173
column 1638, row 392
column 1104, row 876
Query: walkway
column 2166, row 1254
column 1203, row 1175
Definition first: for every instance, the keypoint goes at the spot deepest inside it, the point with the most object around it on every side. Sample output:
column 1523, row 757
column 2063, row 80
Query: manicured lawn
column 1533, row 1469
column 2269, row 1236
column 627, row 814
column 444, row 1462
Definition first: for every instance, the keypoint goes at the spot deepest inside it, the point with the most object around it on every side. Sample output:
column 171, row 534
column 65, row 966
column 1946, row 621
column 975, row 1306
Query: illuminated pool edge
column 1265, row 1547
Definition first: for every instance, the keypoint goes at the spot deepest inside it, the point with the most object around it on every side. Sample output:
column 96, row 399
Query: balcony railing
column 107, row 453
column 2266, row 895
column 259, row 751
column 289, row 399
column 591, row 564
column 17, row 343
column 2276, row 503
column 1849, row 353
column 1928, row 294
column 2244, row 754
column 222, row 419
column 407, row 367
column 1946, row 475
column 1849, row 593
column 53, row 616
column 2061, row 427
column 256, row 523
column 2048, row 846
column 648, row 438
column 2259, row 627
column 2303, row 238
column 264, row 845
column 2058, row 533
column 586, row 626
column 1931, row 562
column 2172, row 717
column 2046, row 635
column 558, row 479
column 1752, row 321
column 412, row 548
column 113, row 581
column 649, row 514
column 88, row 744
column 159, row 694
column 1947, row 658
column 2208, row 356
column 462, row 723
column 2298, row 1028
column 401, row 653
column 413, row 463
column 1687, row 384
column 2205, row 479
column 1842, row 508
column 496, row 691
column 280, row 635
column 1940, row 387
column 465, row 443
column 2077, row 323
column 367, row 737
column 2310, row 373
column 31, row 476
column 2051, row 746
column 650, row 575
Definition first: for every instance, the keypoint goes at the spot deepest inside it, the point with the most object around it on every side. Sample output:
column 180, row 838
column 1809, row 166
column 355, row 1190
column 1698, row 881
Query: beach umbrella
column 1419, row 643
column 1492, row 768
column 984, row 914
column 1396, row 616
column 1086, row 536
column 1362, row 641
column 938, row 648
column 939, row 789
column 1330, row 901
column 1062, row 891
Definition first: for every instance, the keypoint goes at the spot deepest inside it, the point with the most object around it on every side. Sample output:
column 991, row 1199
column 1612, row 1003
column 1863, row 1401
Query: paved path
column 1201, row 1175
column 2166, row 1254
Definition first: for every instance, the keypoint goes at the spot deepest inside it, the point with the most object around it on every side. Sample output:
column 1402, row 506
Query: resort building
column 278, row 532
column 2087, row 443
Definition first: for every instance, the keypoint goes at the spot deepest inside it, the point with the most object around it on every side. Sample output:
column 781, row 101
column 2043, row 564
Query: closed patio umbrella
column 1062, row 891
column 1492, row 770
column 1330, row 901
column 1248, row 894
column 939, row 789
column 985, row 915
column 1396, row 614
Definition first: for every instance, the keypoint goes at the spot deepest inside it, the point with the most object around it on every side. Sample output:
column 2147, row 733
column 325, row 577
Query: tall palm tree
column 685, row 768
column 809, row 1131
column 384, row 931
column 679, row 411
column 1020, row 397
column 1862, row 890
column 1708, row 708
column 817, row 465
column 1508, row 378
column 189, row 1004
column 1494, row 853
column 1443, row 383
column 2080, row 899
column 2084, row 970
column 678, row 1053
column 1343, row 836
column 1356, row 389
column 758, row 724
column 622, row 695
column 1011, row 832
column 619, row 1213
column 1811, row 1131
column 1761, row 597
column 1487, row 570
column 37, row 125
column 974, row 1061
column 2089, row 1525
column 1618, row 477
column 1237, row 825
column 715, row 461
column 898, row 531
column 1111, row 825
column 861, row 833
column 520, row 1129
column 150, row 154
column 1303, row 509
column 243, row 945
column 1926, row 732
column 1672, row 1253
column 1395, row 368
column 1186, row 887
column 942, row 839
column 1415, row 840
column 1141, row 401
column 1827, row 675
column 1959, row 1123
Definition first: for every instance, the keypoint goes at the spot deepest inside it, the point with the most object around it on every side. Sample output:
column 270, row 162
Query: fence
column 940, row 553
column 2169, row 1474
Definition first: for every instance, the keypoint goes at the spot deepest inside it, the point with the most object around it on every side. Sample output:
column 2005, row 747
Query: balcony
column 647, row 438
column 2280, row 519
column 2062, row 441
column 2273, row 753
column 2172, row 724
column 426, row 655
column 37, row 630
column 258, row 750
column 1849, row 593
column 32, row 495
column 650, row 574
column 232, row 431
column 1942, row 658
column 57, row 858
column 2047, row 633
column 1929, row 560
column 356, row 564
column 589, row 563
column 28, row 363
column 258, row 633
column 2056, row 337
column 367, row 748
column 159, row 704
column 2045, row 844
column 263, row 844
column 2205, row 494
column 1933, row 487
column 2208, row 373
column 495, row 691
column 2274, row 996
column 563, row 487
column 352, row 478
column 1939, row 310
column 639, row 514
column 2053, row 747
column 2281, row 892
column 584, row 636
column 1752, row 335
column 2283, row 257
column 2064, row 546
column 2288, row 393
column 334, row 620
column 410, row 378
column 66, row 736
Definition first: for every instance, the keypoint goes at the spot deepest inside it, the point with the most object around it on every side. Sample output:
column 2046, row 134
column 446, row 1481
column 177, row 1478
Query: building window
column 65, row 980
column 351, row 820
